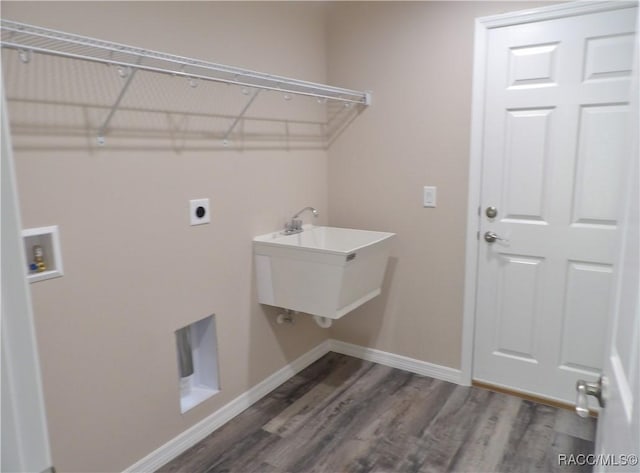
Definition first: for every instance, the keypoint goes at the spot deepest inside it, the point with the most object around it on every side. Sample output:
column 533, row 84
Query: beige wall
column 417, row 59
column 106, row 329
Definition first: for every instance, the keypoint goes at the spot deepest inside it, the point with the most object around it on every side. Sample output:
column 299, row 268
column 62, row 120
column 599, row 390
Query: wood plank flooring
column 342, row 414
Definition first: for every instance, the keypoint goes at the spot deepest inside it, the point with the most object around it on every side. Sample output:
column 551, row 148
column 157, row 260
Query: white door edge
column 482, row 27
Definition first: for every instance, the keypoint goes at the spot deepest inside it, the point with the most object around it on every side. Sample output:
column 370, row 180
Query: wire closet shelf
column 28, row 39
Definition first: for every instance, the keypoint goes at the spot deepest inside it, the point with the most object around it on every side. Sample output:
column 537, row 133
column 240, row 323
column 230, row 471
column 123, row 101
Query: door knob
column 493, row 236
column 596, row 389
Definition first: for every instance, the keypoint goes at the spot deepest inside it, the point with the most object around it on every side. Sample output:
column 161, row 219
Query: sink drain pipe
column 324, row 322
column 286, row 316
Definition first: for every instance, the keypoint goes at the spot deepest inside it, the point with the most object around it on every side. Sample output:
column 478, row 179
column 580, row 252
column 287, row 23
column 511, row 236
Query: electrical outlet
column 429, row 196
column 199, row 211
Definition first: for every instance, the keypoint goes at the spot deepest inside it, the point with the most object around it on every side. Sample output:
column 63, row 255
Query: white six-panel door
column 554, row 144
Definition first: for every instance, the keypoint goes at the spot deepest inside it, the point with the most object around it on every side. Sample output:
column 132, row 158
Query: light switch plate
column 199, row 211
column 429, row 196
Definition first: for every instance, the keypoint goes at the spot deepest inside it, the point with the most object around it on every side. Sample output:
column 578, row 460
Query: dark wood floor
column 343, row 414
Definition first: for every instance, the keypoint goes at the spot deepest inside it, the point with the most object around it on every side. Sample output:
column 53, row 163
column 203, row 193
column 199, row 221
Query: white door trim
column 25, row 438
column 482, row 27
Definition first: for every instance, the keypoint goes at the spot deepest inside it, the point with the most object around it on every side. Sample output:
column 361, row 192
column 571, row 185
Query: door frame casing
column 483, row 26
column 25, row 442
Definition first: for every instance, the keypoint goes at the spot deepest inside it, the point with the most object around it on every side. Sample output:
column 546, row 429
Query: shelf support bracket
column 225, row 138
column 116, row 104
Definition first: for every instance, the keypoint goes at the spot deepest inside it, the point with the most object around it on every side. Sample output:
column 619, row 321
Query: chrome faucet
column 295, row 224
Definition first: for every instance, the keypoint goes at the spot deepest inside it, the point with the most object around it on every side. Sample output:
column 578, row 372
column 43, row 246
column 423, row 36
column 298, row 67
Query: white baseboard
column 397, row 361
column 205, row 427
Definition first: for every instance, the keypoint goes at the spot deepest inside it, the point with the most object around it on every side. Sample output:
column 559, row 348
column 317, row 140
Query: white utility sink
column 323, row 271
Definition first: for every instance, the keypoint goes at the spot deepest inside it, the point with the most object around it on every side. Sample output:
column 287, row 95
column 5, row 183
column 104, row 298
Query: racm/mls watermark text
column 602, row 459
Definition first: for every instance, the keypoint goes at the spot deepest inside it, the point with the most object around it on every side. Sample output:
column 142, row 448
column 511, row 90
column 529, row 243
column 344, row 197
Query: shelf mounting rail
column 34, row 39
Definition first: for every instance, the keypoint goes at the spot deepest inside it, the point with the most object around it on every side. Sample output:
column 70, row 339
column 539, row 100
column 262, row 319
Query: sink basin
column 323, row 271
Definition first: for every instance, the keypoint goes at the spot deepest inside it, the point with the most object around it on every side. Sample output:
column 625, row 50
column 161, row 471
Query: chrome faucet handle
column 293, row 226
